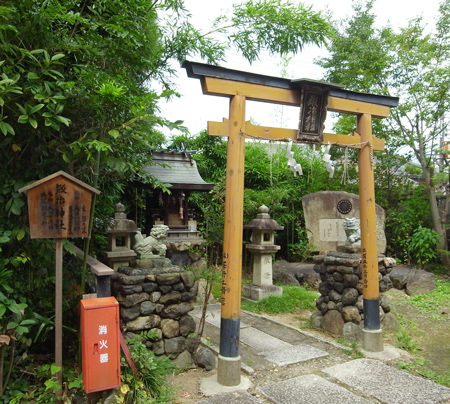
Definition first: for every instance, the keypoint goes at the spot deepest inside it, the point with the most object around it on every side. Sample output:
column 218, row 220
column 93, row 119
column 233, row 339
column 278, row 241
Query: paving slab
column 309, row 389
column 238, row 397
column 388, row 384
column 293, row 354
column 261, row 341
column 213, row 316
column 261, row 322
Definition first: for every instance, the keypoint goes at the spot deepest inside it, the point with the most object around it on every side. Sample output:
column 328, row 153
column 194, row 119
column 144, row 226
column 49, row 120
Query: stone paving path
column 288, row 366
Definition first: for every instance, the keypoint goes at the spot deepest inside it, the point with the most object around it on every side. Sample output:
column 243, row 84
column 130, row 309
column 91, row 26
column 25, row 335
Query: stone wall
column 340, row 303
column 157, row 299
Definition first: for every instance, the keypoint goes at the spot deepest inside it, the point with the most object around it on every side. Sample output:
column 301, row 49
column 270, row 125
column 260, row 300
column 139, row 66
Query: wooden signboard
column 312, row 114
column 59, row 206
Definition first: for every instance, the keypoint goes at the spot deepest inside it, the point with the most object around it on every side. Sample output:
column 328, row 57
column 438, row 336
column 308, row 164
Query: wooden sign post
column 315, row 99
column 59, row 207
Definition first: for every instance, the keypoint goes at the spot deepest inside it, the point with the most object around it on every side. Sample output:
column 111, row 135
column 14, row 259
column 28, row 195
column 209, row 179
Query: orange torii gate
column 315, row 98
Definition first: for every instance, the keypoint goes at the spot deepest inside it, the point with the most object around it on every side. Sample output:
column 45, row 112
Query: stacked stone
column 159, row 300
column 340, row 303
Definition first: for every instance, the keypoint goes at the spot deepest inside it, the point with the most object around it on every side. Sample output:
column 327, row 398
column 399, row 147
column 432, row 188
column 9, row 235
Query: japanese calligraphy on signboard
column 313, row 109
column 59, row 206
column 312, row 114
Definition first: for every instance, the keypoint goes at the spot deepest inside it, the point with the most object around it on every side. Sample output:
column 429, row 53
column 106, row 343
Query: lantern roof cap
column 263, row 221
column 120, row 223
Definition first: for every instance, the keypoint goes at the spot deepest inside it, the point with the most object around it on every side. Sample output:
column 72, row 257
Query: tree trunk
column 435, row 216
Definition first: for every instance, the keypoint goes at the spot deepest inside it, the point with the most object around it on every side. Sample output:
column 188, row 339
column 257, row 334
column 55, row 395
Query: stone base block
column 229, row 371
column 372, row 340
column 389, row 353
column 257, row 293
column 210, row 386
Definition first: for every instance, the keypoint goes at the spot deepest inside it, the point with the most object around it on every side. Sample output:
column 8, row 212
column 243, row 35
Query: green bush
column 402, row 218
column 39, row 384
column 294, row 298
column 150, row 384
column 303, row 249
column 422, row 245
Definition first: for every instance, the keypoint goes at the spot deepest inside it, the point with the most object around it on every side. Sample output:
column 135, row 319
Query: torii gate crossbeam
column 241, row 86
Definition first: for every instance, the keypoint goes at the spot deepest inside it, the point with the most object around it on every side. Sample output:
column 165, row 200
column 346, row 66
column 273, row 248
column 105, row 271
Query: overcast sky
column 195, row 109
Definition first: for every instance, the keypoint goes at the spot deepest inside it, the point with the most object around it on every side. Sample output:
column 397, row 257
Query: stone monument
column 325, row 213
column 262, row 247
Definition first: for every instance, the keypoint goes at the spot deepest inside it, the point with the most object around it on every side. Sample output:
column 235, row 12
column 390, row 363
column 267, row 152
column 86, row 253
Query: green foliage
column 419, row 366
column 63, row 90
column 279, row 26
column 268, row 181
column 45, row 392
column 410, row 211
column 358, row 57
column 302, row 250
column 406, row 342
column 79, row 85
column 422, row 245
column 209, row 208
column 38, row 384
column 432, row 302
column 149, row 385
column 256, row 25
column 294, row 298
column 353, row 349
column 419, row 317
column 414, row 65
column 210, row 274
column 15, row 325
column 12, row 319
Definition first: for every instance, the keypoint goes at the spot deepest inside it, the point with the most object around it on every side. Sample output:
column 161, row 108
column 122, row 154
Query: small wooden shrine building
column 179, row 171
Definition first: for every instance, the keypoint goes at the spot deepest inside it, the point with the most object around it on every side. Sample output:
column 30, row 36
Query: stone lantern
column 119, row 239
column 262, row 247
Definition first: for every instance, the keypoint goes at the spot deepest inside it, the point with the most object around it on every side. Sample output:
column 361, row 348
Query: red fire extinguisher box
column 100, row 343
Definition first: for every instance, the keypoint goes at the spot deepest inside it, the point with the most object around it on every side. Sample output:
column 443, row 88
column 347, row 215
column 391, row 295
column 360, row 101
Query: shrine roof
column 177, row 169
column 201, row 70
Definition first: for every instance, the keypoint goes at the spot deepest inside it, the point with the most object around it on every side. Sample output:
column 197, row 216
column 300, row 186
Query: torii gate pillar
column 372, row 337
column 229, row 366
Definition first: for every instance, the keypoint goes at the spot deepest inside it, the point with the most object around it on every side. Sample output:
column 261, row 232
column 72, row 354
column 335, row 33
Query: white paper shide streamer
column 329, row 164
column 295, row 167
